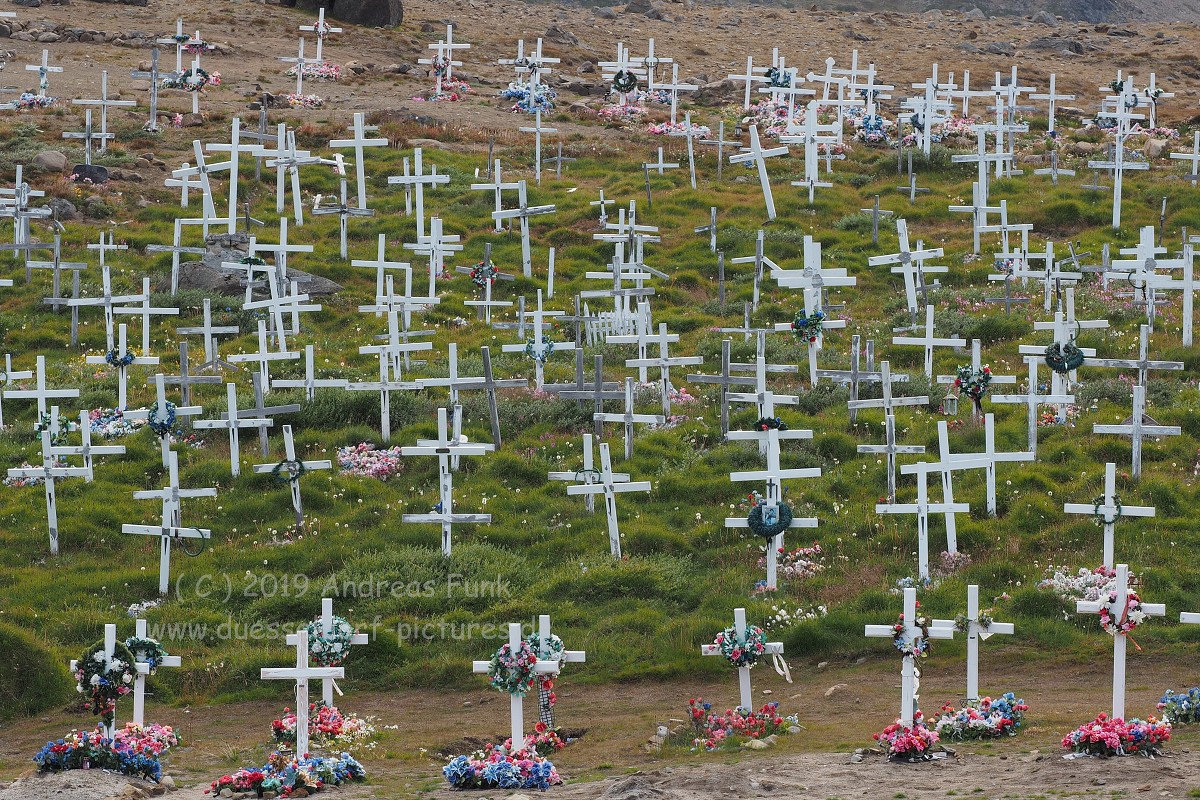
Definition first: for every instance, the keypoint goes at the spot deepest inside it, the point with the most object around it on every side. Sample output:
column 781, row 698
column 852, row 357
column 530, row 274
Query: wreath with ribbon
column 769, row 521
column 483, row 274
column 114, row 358
column 778, row 78
column 1062, row 358
column 770, row 424
column 288, row 471
column 808, row 328
column 973, row 383
column 104, row 680
column 161, row 427
column 742, row 652
column 146, row 651
column 1098, row 511
column 551, row 649
column 907, row 648
column 541, row 356
column 1131, row 616
column 962, row 623
column 333, row 648
column 513, row 673
column 624, row 81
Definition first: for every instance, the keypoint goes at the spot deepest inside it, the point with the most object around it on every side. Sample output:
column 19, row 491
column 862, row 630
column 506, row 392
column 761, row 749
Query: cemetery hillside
column 643, row 401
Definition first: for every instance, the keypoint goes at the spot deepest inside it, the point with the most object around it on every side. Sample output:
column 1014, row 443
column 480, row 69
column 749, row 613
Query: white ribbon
column 781, row 667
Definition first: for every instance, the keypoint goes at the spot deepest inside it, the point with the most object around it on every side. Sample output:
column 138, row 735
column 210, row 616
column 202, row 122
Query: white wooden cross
column 1108, row 509
column 929, row 341
column 1051, row 99
column 301, row 62
column 56, row 265
column 287, row 164
column 110, row 646
column 358, row 141
column 929, row 108
column 122, row 350
column 43, row 70
column 209, row 332
column 951, row 462
column 1193, row 158
column 1117, row 166
column 417, row 181
column 177, row 41
column 773, row 477
column 153, row 76
column 588, row 475
column 758, row 156
column 293, row 468
column 979, row 210
column 381, row 265
column 107, row 302
column 1136, row 428
column 197, row 177
column 161, row 415
column 911, row 638
column 629, row 418
column 1117, row 609
column 103, row 103
column 524, row 212
column 545, row 652
column 664, row 362
column 746, row 697
column 177, row 248
column 753, row 75
column 301, row 673
column 143, row 669
column 40, row 392
column 9, row 376
column 975, row 632
column 443, row 448
column 1031, row 399
column 264, row 355
column 443, row 62
column 540, row 667
column 762, row 396
column 922, row 508
column 328, row 685
column 234, row 149
column 322, row 29
column 341, row 207
column 907, row 258
column 171, row 528
column 233, row 422
column 310, row 382
column 399, row 339
column 498, row 186
column 1143, row 364
column 609, row 484
column 977, row 366
column 1060, row 383
column 88, row 135
column 146, row 312
column 48, row 472
column 537, row 130
column 436, row 246
column 890, row 449
column 540, row 319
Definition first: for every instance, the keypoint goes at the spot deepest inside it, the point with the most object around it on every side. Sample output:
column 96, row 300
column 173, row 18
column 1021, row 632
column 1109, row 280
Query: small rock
column 1045, row 18
column 823, row 665
column 559, row 35
column 63, row 209
column 1000, row 49
column 856, row 758
column 832, row 690
column 606, row 13
column 48, row 37
column 975, row 15
column 168, row 782
column 1155, row 148
column 51, row 161
column 794, row 729
column 355, row 67
column 1123, row 32
column 466, row 703
column 586, row 68
column 22, row 37
column 226, row 792
column 1099, row 782
column 193, row 120
column 861, row 660
column 118, row 174
column 27, row 3
column 755, row 744
column 157, row 790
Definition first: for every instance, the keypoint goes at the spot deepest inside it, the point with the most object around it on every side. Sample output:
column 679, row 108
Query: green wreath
column 161, row 427
column 288, row 471
column 806, row 328
column 252, row 261
column 65, row 426
column 769, row 530
column 742, row 652
column 1098, row 515
column 483, row 274
column 146, row 651
column 512, row 674
column 778, row 78
column 550, row 650
column 770, row 424
column 188, row 83
column 540, row 356
column 624, row 81
column 333, row 648
column 1062, row 358
column 103, row 680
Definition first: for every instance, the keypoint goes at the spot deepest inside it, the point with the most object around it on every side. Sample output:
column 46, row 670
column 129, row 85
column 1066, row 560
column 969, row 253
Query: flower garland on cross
column 541, row 355
column 973, row 383
column 743, row 652
column 906, row 648
column 114, row 358
column 163, row 426
column 512, row 673
column 1098, row 516
column 808, row 328
column 104, row 680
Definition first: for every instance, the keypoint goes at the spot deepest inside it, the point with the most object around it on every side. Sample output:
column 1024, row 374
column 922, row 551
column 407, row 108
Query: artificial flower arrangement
column 305, row 100
column 104, row 680
column 1082, row 584
column 192, row 80
column 285, row 776
column 982, row 719
column 712, row 731
column 742, row 651
column 324, row 70
column 797, row 564
column 808, row 328
column 328, row 728
column 129, row 752
column 529, row 101
column 678, row 128
column 873, row 129
column 973, row 383
column 499, row 767
column 111, row 423
column 908, row 743
column 1182, row 708
column 622, row 114
column 29, row 100
column 367, row 460
column 1112, row 736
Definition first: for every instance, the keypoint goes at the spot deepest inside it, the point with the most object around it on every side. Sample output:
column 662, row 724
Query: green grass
column 641, row 618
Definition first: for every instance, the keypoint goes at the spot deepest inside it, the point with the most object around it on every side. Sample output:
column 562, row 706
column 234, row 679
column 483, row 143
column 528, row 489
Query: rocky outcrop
column 372, row 13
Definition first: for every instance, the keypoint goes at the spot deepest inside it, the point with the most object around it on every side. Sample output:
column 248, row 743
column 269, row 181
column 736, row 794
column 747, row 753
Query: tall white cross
column 1031, row 399
column 758, row 156
column 609, row 484
column 291, row 469
column 775, row 649
column 122, row 365
column 911, row 637
column 976, row 631
column 143, row 669
column 233, row 423
column 922, row 508
column 110, row 647
column 929, row 341
column 40, row 392
column 48, row 472
column 43, row 70
column 103, row 103
column 301, row 673
column 1107, row 509
column 628, row 417
column 1136, row 428
column 322, row 29
column 359, row 141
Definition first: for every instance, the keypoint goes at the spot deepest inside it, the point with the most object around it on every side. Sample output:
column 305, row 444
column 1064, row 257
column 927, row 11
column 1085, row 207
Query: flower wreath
column 1131, row 616
column 512, row 674
column 1117, row 86
column 873, row 123
column 322, row 29
column 439, row 66
column 115, row 359
column 103, row 679
column 551, row 650
column 161, row 427
column 742, row 653
column 624, row 81
column 918, row 649
column 808, row 328
column 962, row 623
column 1098, row 515
column 778, row 78
column 330, row 649
column 252, row 261
column 65, row 426
column 973, row 383
column 762, row 522
column 146, row 651
column 483, row 274
column 288, row 471
column 188, row 80
column 540, row 356
column 770, row 424
column 1062, row 358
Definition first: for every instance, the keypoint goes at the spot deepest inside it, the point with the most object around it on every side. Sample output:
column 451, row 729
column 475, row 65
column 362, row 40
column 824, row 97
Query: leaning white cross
column 746, row 697
column 1117, row 606
column 264, row 355
column 758, row 156
column 1136, row 428
column 171, row 528
column 588, row 475
column 922, row 508
column 48, row 472
column 1107, row 509
column 911, row 638
column 516, row 700
column 301, row 673
column 143, row 669
column 233, row 423
column 328, row 685
column 976, row 632
column 291, row 469
column 610, row 485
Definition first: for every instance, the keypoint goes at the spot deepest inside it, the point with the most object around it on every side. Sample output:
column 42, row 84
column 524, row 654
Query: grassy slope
column 646, row 617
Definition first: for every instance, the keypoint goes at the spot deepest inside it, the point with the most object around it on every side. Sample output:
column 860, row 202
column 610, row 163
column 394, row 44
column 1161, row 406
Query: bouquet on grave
column 1182, row 708
column 328, row 728
column 798, row 564
column 123, row 754
column 499, row 768
column 1112, row 736
column 287, row 777
column 908, row 743
column 982, row 719
column 715, row 730
column 1083, row 584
